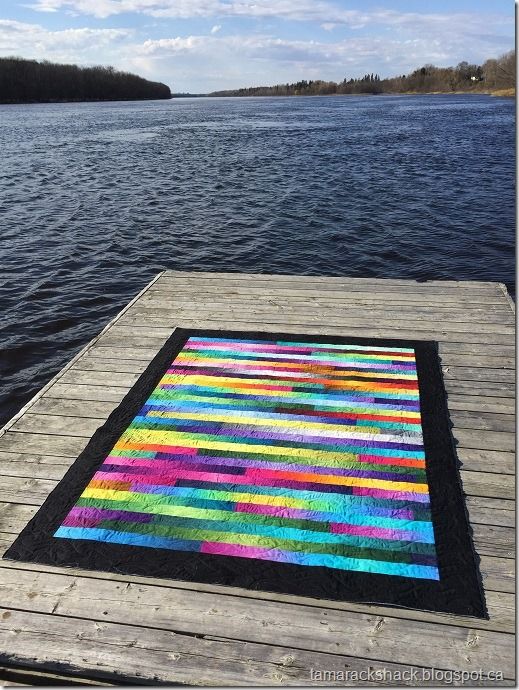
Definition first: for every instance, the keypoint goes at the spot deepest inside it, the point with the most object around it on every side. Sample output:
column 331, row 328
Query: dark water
column 95, row 199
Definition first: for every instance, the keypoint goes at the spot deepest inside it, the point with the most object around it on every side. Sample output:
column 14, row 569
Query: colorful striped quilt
column 287, row 451
column 317, row 466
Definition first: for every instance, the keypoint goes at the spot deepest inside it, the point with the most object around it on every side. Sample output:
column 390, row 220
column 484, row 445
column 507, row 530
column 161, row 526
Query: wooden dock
column 101, row 626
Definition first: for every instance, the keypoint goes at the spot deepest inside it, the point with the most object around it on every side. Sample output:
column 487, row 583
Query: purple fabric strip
column 261, row 463
column 243, row 432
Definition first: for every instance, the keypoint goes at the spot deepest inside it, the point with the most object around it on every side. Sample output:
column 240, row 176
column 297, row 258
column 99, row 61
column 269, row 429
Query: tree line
column 30, row 81
column 494, row 74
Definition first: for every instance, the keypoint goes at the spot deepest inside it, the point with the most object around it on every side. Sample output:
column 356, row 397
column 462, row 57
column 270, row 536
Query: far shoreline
column 498, row 93
column 87, row 100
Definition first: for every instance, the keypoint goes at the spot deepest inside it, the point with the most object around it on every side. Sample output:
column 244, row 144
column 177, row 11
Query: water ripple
column 95, row 199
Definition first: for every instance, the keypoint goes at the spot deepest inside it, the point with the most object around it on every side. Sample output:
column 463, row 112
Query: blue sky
column 204, row 45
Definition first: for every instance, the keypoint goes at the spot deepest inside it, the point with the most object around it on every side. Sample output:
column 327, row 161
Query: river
column 96, row 198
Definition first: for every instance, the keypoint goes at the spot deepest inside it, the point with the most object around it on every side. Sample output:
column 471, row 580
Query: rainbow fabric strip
column 295, row 452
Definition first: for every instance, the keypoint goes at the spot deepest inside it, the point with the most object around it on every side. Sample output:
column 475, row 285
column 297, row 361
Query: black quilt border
column 459, row 590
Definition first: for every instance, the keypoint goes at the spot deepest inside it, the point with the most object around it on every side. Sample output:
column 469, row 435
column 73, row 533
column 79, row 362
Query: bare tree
column 23, row 81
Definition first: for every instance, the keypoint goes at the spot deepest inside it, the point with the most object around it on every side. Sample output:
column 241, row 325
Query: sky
column 199, row 46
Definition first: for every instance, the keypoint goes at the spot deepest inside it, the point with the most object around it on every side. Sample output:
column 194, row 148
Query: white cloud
column 45, row 8
column 216, row 28
column 173, row 46
column 408, row 53
column 300, row 10
column 324, row 12
column 72, row 45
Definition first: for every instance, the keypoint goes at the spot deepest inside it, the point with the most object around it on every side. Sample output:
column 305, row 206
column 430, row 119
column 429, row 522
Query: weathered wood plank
column 26, row 490
column 304, row 628
column 60, row 426
column 481, row 404
column 381, row 318
column 100, row 378
column 305, row 279
column 488, row 388
column 322, row 283
column 140, row 655
column 330, row 296
column 87, row 392
column 345, row 310
column 27, row 471
column 491, row 511
column 18, row 676
column 479, row 374
column 489, row 421
column 362, row 330
column 129, row 366
column 284, row 304
column 490, row 540
column 14, row 516
column 65, row 407
column 498, row 573
column 128, row 354
column 484, row 440
column 276, row 296
column 68, row 446
column 122, row 653
column 488, row 484
column 33, row 460
column 498, row 462
column 33, row 466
